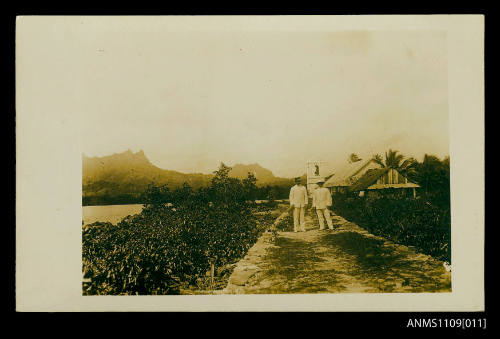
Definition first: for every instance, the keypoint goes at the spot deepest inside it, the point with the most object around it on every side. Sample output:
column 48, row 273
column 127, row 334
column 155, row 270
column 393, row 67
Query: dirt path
column 346, row 260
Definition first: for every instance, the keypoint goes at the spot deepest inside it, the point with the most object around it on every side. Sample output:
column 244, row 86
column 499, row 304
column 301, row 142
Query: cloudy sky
column 193, row 99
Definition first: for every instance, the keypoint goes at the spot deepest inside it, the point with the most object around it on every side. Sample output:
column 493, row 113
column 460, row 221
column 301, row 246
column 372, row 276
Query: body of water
column 115, row 213
column 109, row 213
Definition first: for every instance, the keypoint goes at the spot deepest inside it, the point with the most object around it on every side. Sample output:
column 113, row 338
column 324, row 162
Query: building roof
column 343, row 177
column 368, row 179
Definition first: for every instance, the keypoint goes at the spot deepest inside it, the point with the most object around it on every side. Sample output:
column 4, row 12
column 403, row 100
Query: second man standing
column 321, row 201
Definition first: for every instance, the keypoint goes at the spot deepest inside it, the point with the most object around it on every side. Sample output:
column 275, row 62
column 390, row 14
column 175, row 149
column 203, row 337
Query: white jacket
column 298, row 196
column 321, row 198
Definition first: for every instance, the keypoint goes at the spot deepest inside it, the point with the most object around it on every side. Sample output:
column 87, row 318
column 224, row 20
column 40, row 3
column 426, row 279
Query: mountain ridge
column 130, row 173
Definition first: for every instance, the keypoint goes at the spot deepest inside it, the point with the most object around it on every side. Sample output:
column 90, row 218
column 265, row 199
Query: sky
column 191, row 100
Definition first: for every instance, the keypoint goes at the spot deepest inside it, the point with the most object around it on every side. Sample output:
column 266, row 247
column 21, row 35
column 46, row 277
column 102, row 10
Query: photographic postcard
column 250, row 163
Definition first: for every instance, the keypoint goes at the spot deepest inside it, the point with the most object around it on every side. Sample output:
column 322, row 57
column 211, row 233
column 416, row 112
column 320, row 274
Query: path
column 346, row 260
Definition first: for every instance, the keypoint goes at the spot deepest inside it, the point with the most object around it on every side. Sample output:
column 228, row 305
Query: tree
column 226, row 190
column 156, row 196
column 221, row 175
column 182, row 194
column 433, row 175
column 353, row 157
column 378, row 159
column 396, row 161
column 250, row 187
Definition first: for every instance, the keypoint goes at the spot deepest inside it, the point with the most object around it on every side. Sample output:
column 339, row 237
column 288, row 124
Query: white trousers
column 326, row 213
column 299, row 212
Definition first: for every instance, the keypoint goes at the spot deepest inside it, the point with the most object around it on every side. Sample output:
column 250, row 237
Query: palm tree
column 353, row 157
column 396, row 161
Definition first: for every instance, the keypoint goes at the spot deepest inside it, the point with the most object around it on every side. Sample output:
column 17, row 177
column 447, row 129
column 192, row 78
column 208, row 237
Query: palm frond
column 408, row 163
column 378, row 160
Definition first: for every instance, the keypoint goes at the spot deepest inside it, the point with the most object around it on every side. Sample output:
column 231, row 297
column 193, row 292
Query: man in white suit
column 298, row 201
column 321, row 201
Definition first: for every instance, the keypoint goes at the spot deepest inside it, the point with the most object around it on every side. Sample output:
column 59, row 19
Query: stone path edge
column 248, row 266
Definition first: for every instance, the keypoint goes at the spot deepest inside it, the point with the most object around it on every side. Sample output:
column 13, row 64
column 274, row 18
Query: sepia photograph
column 265, row 163
column 225, row 156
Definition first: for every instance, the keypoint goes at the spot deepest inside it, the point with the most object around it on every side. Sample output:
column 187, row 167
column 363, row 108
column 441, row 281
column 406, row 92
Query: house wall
column 337, row 189
column 392, row 177
column 396, row 192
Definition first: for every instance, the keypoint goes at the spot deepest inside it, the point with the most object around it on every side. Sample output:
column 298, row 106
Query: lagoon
column 109, row 213
column 115, row 213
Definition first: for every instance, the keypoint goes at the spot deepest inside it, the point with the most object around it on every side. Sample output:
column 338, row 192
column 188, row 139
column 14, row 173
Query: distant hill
column 130, row 173
column 122, row 177
column 263, row 175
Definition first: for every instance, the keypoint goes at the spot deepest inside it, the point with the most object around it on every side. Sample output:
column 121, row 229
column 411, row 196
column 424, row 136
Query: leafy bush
column 413, row 222
column 286, row 224
column 170, row 245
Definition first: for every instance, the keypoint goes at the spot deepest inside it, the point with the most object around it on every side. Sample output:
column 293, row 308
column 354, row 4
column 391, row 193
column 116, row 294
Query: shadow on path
column 379, row 264
column 346, row 260
column 292, row 266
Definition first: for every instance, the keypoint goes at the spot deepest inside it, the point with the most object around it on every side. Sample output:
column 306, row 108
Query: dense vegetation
column 174, row 240
column 411, row 222
column 424, row 222
column 267, row 192
column 433, row 176
column 112, row 199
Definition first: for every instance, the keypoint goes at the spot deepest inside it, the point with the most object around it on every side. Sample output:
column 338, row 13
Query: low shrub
column 408, row 221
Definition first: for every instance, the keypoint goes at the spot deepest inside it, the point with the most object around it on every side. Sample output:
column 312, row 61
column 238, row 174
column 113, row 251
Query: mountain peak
column 262, row 174
column 127, row 159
